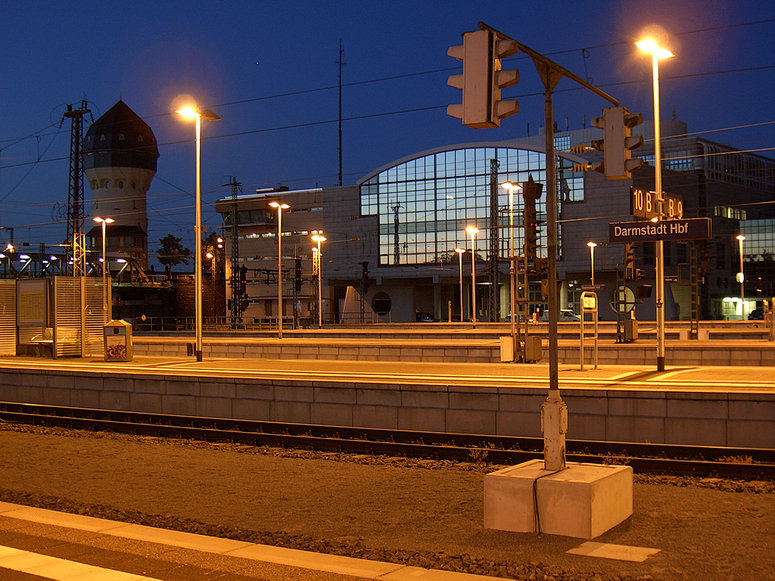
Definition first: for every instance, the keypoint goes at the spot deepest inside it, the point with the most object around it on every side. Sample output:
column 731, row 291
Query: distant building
column 394, row 233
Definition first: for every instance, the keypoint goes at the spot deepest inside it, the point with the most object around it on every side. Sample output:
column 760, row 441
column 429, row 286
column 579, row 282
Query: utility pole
column 234, row 280
column 76, row 237
column 554, row 412
column 481, row 82
column 340, row 62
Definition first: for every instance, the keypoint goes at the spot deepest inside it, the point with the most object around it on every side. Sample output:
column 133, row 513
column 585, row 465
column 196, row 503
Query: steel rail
column 702, row 461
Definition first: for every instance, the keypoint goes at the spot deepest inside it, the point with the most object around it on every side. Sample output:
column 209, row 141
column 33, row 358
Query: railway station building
column 391, row 238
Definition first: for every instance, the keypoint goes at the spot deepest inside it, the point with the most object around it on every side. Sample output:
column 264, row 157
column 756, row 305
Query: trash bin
column 118, row 341
column 630, row 330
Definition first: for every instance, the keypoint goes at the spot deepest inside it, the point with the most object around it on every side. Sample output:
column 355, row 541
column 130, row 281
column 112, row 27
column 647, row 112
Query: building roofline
column 271, row 194
column 509, row 144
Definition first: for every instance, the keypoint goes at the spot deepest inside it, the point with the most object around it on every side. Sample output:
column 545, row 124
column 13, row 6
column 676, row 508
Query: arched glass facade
column 424, row 204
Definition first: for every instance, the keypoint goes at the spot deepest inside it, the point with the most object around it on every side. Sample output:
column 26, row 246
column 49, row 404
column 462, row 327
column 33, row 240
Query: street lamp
column 211, row 256
column 473, row 231
column 460, row 252
column 592, row 260
column 651, row 47
column 320, row 238
column 190, row 112
column 511, row 187
column 741, row 278
column 104, row 222
column 280, row 207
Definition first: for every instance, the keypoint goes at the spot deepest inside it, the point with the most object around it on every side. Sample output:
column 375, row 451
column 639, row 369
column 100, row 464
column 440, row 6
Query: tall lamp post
column 279, row 207
column 592, row 261
column 511, row 187
column 460, row 252
column 104, row 222
column 473, row 231
column 651, row 47
column 190, row 112
column 741, row 278
column 320, row 238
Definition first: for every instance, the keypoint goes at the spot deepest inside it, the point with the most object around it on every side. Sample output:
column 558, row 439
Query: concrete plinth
column 584, row 500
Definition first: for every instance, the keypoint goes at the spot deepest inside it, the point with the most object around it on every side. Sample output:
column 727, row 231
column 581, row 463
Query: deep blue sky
column 268, row 68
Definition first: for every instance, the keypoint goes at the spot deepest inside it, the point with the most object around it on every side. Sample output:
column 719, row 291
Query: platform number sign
column 644, row 205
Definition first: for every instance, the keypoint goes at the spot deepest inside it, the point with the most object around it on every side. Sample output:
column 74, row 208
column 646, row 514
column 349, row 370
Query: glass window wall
column 425, row 204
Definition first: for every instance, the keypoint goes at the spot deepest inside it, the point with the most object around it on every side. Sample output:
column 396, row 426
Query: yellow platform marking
column 60, row 569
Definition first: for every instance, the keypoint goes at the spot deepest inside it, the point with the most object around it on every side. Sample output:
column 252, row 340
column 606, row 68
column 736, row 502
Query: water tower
column 120, row 154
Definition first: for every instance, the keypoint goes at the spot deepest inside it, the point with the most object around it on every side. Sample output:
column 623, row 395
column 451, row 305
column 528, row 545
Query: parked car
column 756, row 315
column 566, row 315
column 423, row 317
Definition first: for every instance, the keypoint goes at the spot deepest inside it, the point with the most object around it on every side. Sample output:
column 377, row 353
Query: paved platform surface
column 39, row 543
column 627, row 377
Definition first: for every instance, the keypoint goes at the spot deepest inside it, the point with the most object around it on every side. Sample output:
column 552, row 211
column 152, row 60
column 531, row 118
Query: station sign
column 686, row 229
column 644, row 204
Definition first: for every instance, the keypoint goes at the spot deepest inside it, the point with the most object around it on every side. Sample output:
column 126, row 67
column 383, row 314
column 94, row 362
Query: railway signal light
column 482, row 79
column 364, row 277
column 540, row 264
column 531, row 192
column 629, row 260
column 617, row 143
column 297, row 278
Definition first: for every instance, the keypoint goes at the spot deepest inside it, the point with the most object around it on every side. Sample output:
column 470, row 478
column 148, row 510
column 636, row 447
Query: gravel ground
column 424, row 513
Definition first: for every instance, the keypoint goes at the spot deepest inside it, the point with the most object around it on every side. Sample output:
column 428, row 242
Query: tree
column 172, row 253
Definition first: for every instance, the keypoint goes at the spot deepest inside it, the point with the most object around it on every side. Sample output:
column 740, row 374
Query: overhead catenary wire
column 38, row 134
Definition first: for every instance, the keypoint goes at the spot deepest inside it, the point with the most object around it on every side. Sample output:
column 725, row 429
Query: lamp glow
column 650, row 46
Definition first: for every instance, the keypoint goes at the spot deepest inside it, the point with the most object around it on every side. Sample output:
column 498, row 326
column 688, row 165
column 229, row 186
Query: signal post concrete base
column 584, row 500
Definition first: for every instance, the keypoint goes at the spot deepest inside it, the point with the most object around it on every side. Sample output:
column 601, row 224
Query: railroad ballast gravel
column 302, row 535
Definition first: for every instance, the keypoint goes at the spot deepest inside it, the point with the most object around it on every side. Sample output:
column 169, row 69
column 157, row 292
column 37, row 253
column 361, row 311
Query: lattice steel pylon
column 76, row 236
column 234, row 279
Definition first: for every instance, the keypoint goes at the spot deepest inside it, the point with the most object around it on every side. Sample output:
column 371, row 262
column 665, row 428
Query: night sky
column 269, row 69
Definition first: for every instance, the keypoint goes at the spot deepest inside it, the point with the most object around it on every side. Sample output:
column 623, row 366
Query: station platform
column 742, row 347
column 685, row 404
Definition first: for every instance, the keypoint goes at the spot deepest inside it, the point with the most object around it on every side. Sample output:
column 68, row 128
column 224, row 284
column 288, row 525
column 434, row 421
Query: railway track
column 702, row 461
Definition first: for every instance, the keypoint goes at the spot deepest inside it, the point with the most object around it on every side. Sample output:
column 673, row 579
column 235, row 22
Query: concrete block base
column 583, row 501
